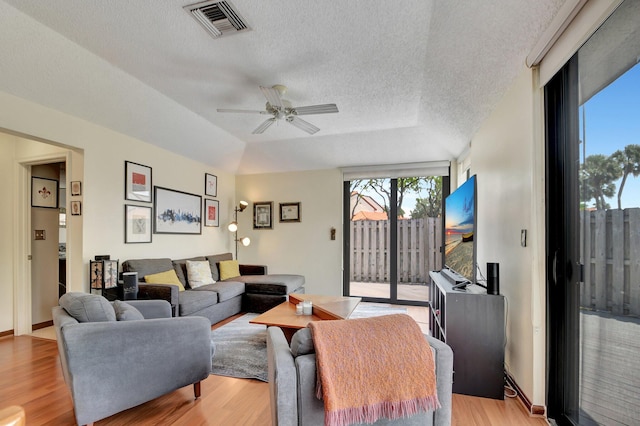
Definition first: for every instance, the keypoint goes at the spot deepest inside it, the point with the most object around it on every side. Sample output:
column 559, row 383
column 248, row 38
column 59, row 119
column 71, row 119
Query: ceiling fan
column 281, row 109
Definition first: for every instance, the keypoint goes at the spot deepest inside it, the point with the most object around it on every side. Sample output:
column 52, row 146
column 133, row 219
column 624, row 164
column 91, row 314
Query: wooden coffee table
column 324, row 308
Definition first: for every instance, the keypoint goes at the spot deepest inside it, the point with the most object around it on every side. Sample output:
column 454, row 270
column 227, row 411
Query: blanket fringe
column 389, row 410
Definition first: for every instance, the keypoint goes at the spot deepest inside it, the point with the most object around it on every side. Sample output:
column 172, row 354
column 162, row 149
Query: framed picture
column 44, row 192
column 290, row 212
column 211, row 213
column 176, row 212
column 95, row 274
column 137, row 224
column 76, row 208
column 76, row 188
column 137, row 182
column 210, row 185
column 263, row 215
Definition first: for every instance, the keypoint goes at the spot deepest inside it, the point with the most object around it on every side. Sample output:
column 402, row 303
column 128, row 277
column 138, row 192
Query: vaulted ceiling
column 412, row 79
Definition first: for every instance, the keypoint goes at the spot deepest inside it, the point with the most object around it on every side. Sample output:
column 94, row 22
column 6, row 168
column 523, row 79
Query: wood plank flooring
column 31, row 376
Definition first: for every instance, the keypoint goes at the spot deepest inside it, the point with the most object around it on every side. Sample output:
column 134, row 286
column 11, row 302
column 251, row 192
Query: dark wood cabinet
column 472, row 323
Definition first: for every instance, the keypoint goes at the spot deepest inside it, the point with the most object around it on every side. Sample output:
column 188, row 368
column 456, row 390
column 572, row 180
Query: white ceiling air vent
column 217, row 17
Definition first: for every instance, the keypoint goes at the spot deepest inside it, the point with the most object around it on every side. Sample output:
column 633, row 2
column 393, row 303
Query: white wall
column 97, row 157
column 507, row 160
column 296, row 248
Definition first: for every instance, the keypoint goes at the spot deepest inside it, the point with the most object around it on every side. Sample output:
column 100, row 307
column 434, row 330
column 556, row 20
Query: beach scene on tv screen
column 459, row 230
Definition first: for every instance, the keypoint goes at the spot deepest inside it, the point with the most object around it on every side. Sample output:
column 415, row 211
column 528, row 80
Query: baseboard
column 6, row 333
column 534, row 410
column 42, row 325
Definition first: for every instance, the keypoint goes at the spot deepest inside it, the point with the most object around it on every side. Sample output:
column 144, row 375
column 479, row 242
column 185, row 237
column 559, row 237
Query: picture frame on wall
column 211, row 213
column 210, row 185
column 290, row 212
column 44, row 192
column 263, row 215
column 76, row 208
column 137, row 224
column 176, row 212
column 76, row 188
column 137, row 182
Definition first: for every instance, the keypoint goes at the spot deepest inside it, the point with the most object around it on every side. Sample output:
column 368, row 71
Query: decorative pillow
column 165, row 278
column 302, row 343
column 199, row 273
column 126, row 312
column 85, row 307
column 229, row 269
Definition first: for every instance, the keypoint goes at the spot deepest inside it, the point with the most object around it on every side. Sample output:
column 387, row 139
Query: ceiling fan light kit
column 281, row 109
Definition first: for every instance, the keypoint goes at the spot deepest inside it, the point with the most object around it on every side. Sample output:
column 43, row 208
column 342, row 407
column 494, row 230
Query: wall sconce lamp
column 233, row 226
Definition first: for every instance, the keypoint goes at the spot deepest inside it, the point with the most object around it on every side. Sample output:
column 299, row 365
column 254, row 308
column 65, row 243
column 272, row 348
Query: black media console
column 472, row 323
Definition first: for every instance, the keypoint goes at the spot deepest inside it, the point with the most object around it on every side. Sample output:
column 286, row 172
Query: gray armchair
column 113, row 359
column 292, row 383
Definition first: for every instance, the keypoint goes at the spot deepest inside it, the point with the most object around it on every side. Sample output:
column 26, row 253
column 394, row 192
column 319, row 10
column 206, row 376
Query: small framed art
column 137, row 182
column 76, row 188
column 211, row 213
column 263, row 215
column 44, row 192
column 290, row 212
column 76, row 208
column 210, row 185
column 137, row 224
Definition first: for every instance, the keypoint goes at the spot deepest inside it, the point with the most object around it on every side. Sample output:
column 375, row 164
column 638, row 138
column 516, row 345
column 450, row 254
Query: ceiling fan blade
column 272, row 95
column 264, row 126
column 316, row 109
column 245, row 111
column 303, row 125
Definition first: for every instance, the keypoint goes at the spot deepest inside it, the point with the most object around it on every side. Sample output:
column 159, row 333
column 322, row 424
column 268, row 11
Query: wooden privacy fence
column 419, row 242
column 610, row 251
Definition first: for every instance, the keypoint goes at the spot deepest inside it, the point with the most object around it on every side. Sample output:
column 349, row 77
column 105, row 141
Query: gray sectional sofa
column 253, row 291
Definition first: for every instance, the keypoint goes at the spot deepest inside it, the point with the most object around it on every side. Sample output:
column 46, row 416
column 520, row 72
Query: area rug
column 240, row 348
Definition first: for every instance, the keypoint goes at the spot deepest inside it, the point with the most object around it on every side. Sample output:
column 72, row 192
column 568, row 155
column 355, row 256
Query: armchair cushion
column 229, row 269
column 302, row 343
column 164, row 278
column 86, row 307
column 126, row 312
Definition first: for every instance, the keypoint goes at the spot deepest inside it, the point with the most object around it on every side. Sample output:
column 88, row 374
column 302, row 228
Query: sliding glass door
column 393, row 237
column 593, row 228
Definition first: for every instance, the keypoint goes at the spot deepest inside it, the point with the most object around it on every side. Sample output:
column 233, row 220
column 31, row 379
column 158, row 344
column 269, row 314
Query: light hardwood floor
column 31, row 376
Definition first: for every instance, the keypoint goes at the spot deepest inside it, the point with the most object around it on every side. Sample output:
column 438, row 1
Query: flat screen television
column 460, row 230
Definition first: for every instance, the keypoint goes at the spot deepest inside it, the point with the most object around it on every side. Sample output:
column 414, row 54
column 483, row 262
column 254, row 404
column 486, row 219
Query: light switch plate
column 39, row 234
column 523, row 237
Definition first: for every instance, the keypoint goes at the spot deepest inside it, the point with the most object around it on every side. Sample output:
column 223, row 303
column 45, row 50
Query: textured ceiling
column 413, row 79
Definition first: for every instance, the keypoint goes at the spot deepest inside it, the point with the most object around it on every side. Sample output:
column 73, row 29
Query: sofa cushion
column 229, row 269
column 226, row 290
column 85, row 307
column 164, row 278
column 180, row 267
column 193, row 301
column 199, row 273
column 277, row 284
column 214, row 259
column 302, row 343
column 126, row 312
column 147, row 266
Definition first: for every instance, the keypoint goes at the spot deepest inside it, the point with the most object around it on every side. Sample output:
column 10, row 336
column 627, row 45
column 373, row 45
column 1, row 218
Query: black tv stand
column 472, row 323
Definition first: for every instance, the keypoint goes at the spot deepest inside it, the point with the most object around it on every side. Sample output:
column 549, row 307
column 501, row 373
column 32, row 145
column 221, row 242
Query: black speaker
column 130, row 285
column 493, row 278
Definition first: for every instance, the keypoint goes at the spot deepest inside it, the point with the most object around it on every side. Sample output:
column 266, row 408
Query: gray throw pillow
column 302, row 343
column 85, row 307
column 126, row 312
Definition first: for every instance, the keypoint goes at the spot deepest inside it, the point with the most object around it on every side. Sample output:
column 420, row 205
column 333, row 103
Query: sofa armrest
column 159, row 291
column 253, row 269
column 282, row 379
column 153, row 357
column 444, row 379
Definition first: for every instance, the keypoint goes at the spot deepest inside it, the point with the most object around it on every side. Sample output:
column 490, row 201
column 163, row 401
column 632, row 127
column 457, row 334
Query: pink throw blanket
column 372, row 368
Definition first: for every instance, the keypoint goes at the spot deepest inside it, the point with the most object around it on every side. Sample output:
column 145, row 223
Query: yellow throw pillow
column 166, row 278
column 229, row 269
